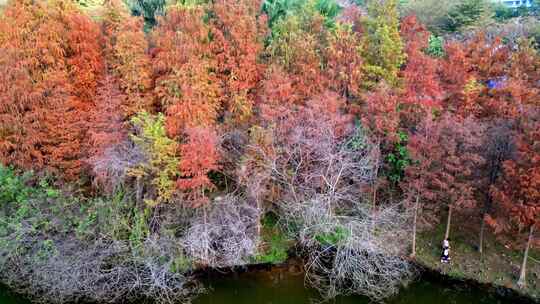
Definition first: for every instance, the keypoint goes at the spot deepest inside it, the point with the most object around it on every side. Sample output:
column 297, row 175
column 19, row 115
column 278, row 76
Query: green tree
column 148, row 9
column 279, row 9
column 436, row 46
column 160, row 169
column 467, row 13
column 382, row 45
column 432, row 13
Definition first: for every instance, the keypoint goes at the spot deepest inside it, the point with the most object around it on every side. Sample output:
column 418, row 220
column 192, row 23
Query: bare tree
column 323, row 166
column 103, row 271
column 227, row 236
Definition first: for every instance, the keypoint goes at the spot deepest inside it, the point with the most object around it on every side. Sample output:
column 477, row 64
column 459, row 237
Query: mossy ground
column 498, row 265
column 274, row 244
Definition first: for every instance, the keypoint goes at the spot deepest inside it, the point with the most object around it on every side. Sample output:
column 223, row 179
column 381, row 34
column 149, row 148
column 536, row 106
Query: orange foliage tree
column 199, row 156
column 343, row 66
column 517, row 195
column 50, row 62
column 296, row 44
column 187, row 87
column 126, row 49
column 238, row 41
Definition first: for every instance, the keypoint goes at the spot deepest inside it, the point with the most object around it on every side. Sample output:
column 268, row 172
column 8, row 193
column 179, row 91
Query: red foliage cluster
column 199, row 156
column 50, row 63
column 69, row 84
column 517, row 195
column 187, row 87
column 238, row 32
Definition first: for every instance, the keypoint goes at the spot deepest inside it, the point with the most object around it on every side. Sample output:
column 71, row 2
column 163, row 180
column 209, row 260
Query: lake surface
column 271, row 287
column 265, row 287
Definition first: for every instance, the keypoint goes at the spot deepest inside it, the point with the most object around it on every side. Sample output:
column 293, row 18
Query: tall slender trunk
column 447, row 233
column 205, row 219
column 375, row 181
column 139, row 191
column 522, row 282
column 413, row 253
column 485, row 211
column 375, row 196
column 482, row 228
column 259, row 219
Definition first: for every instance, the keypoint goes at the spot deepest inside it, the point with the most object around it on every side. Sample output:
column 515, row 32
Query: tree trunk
column 447, row 233
column 482, row 228
column 522, row 282
column 375, row 183
column 139, row 191
column 259, row 219
column 413, row 253
column 205, row 218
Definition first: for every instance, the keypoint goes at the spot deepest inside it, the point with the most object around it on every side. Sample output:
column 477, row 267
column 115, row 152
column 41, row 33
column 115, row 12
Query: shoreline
column 293, row 266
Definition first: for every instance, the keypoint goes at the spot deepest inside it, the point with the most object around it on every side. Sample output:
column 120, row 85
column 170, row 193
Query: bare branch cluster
column 111, row 167
column 223, row 234
column 104, row 272
column 323, row 169
column 360, row 253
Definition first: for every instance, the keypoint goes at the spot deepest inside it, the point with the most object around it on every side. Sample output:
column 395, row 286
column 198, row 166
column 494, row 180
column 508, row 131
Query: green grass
column 498, row 264
column 333, row 238
column 275, row 243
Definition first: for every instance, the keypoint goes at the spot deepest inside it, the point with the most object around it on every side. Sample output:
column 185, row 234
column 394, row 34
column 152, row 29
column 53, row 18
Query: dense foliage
column 161, row 149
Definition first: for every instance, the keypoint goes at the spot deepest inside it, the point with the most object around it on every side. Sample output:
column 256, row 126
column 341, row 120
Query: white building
column 516, row 3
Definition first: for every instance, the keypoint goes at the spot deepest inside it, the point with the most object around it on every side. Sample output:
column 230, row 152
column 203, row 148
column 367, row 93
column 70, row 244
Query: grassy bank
column 498, row 265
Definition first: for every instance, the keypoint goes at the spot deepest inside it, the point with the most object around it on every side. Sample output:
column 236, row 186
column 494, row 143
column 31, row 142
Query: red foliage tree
column 199, row 156
column 106, row 129
column 421, row 193
column 517, row 195
column 186, row 86
column 479, row 80
column 445, row 156
column 50, row 63
column 460, row 158
column 277, row 94
column 238, row 41
column 422, row 92
column 380, row 114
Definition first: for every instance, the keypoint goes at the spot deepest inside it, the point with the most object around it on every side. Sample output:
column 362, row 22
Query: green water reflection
column 270, row 287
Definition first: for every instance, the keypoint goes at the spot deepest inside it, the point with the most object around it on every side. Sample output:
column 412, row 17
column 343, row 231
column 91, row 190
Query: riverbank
column 283, row 282
column 497, row 266
column 263, row 277
column 280, row 285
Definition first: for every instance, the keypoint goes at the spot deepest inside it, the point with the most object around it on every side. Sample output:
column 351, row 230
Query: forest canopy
column 173, row 136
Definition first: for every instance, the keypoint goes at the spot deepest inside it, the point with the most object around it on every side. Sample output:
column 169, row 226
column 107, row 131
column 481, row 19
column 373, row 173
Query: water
column 271, row 287
column 7, row 298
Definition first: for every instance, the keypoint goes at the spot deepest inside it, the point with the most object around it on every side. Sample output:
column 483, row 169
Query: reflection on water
column 264, row 287
column 282, row 287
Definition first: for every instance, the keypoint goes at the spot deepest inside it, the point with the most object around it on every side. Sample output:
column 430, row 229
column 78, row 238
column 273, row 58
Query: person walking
column 445, row 256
